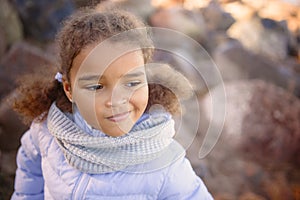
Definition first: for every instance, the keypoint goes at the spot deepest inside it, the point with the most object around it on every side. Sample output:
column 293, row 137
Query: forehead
column 108, row 61
column 126, row 63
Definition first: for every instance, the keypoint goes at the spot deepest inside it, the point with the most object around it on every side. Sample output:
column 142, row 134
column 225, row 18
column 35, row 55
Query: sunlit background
column 255, row 45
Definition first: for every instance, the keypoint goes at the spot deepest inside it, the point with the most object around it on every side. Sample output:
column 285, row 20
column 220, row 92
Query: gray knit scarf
column 145, row 142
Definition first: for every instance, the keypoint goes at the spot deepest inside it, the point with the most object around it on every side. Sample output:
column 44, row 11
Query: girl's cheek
column 141, row 97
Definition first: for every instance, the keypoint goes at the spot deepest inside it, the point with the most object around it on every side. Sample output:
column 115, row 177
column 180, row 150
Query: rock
column 188, row 57
column 6, row 185
column 277, row 186
column 187, row 4
column 233, row 176
column 167, row 3
column 214, row 39
column 278, row 10
column 187, row 22
column 239, row 11
column 11, row 127
column 10, row 23
column 294, row 2
column 257, row 5
column 22, row 58
column 195, row 4
column 215, row 17
column 84, row 3
column 225, row 171
column 281, row 10
column 258, row 149
column 185, row 67
column 262, row 36
column 141, row 8
column 264, row 120
column 251, row 196
column 3, row 43
column 290, row 14
column 272, row 129
column 42, row 18
column 237, row 63
column 8, row 162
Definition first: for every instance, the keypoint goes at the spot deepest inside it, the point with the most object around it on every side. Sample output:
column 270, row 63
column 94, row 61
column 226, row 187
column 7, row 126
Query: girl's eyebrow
column 97, row 77
column 89, row 77
column 133, row 75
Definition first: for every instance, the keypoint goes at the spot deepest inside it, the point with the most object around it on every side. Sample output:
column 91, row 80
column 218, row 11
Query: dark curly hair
column 85, row 27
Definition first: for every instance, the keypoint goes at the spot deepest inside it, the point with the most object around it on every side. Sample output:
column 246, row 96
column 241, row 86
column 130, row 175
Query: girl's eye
column 95, row 87
column 133, row 83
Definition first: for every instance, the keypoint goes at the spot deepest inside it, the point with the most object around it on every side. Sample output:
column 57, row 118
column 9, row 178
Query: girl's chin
column 118, row 131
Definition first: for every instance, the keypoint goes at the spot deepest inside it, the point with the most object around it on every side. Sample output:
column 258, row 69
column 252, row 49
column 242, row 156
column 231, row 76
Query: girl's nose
column 116, row 97
column 115, row 102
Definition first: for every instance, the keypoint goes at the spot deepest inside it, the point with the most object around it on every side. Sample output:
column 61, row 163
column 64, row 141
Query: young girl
column 94, row 132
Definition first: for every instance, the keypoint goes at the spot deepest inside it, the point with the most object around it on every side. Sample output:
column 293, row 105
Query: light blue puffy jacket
column 43, row 173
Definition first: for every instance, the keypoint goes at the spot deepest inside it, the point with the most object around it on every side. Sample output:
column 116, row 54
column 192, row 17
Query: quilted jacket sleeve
column 29, row 182
column 182, row 183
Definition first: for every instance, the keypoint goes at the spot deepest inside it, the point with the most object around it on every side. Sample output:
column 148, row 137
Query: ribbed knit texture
column 145, row 142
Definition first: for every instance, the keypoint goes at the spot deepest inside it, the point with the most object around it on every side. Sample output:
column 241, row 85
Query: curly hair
column 86, row 27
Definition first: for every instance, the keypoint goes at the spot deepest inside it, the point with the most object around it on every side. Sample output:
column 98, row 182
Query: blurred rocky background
column 256, row 47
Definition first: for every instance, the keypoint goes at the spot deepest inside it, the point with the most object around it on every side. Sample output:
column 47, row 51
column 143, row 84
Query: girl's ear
column 67, row 89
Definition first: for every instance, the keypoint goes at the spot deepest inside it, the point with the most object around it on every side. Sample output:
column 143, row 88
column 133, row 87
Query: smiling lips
column 119, row 117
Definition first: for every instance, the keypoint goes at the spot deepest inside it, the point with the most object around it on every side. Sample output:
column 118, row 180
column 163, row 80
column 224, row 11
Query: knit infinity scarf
column 145, row 142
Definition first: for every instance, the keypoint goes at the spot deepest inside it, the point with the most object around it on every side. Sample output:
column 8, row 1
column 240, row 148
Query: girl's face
column 110, row 98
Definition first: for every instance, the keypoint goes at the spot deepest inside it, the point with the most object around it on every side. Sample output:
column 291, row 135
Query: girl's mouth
column 119, row 117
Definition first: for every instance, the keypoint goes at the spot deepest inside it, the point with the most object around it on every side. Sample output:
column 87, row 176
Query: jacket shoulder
column 181, row 182
column 30, row 139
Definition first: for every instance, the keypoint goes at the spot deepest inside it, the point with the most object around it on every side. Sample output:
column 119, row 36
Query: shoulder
column 30, row 139
column 181, row 170
column 182, row 182
column 37, row 138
